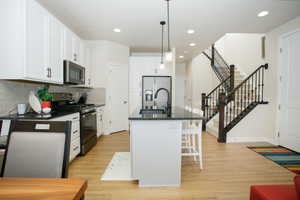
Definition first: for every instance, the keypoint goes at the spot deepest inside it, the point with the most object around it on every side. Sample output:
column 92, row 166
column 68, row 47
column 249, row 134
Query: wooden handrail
column 204, row 53
column 218, row 53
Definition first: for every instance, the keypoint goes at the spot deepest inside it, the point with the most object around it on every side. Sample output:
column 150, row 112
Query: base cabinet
column 100, row 127
column 75, row 133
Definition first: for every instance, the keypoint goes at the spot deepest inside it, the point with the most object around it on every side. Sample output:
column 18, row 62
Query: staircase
column 233, row 99
column 219, row 65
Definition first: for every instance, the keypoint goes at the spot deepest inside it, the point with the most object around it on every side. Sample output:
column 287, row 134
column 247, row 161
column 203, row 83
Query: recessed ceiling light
column 117, row 30
column 192, row 44
column 181, row 57
column 190, row 31
column 263, row 13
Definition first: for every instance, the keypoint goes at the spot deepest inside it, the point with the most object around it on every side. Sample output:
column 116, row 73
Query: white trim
column 276, row 140
column 211, row 131
column 248, row 139
column 289, row 33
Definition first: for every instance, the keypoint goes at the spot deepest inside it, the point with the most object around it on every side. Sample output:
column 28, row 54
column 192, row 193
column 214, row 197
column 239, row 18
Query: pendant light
column 162, row 65
column 169, row 54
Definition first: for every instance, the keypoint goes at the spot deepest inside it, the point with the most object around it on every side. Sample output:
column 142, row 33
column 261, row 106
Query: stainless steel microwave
column 74, row 74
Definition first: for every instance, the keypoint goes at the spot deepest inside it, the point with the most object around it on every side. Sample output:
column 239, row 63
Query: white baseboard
column 272, row 141
column 212, row 130
column 249, row 139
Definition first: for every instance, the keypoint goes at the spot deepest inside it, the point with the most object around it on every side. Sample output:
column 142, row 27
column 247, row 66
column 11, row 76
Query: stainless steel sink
column 152, row 111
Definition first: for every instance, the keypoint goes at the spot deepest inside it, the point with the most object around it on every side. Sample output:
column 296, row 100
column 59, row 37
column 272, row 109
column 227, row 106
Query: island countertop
column 176, row 114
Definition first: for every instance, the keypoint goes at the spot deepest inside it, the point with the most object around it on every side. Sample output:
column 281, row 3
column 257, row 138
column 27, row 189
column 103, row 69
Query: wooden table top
column 42, row 189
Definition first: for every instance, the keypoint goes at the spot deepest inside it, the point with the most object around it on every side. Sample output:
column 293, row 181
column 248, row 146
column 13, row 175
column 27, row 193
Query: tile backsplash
column 13, row 93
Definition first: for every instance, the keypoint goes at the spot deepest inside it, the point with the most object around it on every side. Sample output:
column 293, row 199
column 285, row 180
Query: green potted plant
column 45, row 98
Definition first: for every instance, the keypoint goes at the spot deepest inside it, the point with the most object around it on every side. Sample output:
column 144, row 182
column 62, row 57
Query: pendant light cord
column 162, row 23
column 168, row 4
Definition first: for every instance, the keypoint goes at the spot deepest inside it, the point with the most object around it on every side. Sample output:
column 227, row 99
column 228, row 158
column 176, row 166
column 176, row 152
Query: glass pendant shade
column 169, row 56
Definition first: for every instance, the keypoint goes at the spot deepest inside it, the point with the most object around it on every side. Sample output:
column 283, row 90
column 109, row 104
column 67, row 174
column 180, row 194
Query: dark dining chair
column 37, row 149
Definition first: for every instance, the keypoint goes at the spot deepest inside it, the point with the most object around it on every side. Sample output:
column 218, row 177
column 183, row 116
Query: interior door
column 290, row 94
column 118, row 98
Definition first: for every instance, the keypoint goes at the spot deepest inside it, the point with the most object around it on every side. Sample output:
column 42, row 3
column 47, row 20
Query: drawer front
column 74, row 148
column 75, row 131
column 74, row 117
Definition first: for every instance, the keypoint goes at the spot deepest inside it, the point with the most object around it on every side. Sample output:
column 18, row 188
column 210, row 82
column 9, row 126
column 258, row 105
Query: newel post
column 232, row 80
column 203, row 108
column 221, row 107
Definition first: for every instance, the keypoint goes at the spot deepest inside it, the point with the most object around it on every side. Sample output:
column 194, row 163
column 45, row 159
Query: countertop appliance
column 157, row 93
column 74, row 74
column 63, row 102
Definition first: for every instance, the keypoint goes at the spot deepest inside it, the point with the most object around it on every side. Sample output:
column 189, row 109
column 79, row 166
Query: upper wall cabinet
column 56, row 47
column 37, row 25
column 72, row 46
column 32, row 43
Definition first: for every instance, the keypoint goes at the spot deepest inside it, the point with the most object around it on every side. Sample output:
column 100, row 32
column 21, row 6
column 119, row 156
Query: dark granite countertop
column 35, row 116
column 176, row 114
column 99, row 105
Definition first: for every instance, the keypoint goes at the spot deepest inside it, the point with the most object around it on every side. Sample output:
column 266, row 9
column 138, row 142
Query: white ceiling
column 139, row 20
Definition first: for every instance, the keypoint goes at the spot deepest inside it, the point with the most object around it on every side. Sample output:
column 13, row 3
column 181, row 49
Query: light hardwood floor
column 229, row 171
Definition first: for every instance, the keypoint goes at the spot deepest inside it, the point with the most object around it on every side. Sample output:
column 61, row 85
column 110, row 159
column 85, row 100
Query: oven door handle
column 89, row 113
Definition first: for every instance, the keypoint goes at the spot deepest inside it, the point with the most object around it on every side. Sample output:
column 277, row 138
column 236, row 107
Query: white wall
column 180, row 85
column 242, row 49
column 103, row 55
column 200, row 79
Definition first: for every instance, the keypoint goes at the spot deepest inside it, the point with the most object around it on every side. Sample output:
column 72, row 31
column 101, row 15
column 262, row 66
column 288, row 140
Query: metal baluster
column 226, row 116
column 249, row 92
column 206, row 108
column 252, row 89
column 209, row 104
column 231, row 105
column 255, row 87
column 214, row 101
column 241, row 97
column 245, row 95
column 259, row 85
column 263, row 84
column 234, row 104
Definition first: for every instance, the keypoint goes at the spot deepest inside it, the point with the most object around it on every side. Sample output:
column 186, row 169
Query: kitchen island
column 155, row 145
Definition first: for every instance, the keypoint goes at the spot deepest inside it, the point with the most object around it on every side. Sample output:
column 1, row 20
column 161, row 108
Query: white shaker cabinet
column 75, row 133
column 72, row 46
column 100, row 126
column 55, row 50
column 76, row 48
column 37, row 21
column 27, row 31
column 88, row 67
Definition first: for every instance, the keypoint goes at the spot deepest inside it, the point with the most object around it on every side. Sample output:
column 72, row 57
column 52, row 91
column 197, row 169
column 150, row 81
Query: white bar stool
column 192, row 138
